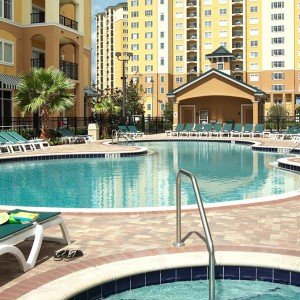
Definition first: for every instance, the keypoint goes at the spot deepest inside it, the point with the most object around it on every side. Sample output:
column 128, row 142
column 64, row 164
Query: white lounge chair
column 12, row 234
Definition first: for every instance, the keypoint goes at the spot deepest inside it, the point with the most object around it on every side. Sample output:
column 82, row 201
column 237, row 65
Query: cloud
column 97, row 7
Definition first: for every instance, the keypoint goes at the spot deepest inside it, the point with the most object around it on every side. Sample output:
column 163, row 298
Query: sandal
column 59, row 255
column 73, row 254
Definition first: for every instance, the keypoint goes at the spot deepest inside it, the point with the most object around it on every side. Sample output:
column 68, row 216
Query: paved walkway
column 272, row 227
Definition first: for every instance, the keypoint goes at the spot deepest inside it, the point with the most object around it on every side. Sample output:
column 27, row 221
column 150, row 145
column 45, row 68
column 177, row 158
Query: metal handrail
column 207, row 239
column 114, row 133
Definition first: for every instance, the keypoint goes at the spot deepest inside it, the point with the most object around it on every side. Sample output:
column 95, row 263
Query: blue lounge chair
column 247, row 130
column 37, row 144
column 216, row 130
column 206, row 129
column 226, row 129
column 179, row 128
column 237, row 130
column 187, row 129
column 133, row 129
column 13, row 234
column 123, row 131
column 258, row 130
column 5, row 147
column 70, row 138
column 14, row 144
column 197, row 130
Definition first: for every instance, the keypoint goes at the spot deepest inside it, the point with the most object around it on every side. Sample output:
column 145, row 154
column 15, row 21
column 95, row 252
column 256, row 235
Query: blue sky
column 98, row 6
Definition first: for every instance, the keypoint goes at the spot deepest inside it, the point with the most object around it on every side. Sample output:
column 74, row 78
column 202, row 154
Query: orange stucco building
column 44, row 33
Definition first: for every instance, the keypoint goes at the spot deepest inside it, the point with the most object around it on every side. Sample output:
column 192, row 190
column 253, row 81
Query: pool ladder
column 207, row 239
column 115, row 134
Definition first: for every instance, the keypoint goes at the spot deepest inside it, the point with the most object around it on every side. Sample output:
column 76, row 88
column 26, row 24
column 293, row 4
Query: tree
column 45, row 91
column 105, row 108
column 278, row 115
column 168, row 115
column 134, row 104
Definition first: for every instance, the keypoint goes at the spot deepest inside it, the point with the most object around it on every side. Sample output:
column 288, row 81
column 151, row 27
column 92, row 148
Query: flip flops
column 73, row 254
column 59, row 255
column 67, row 254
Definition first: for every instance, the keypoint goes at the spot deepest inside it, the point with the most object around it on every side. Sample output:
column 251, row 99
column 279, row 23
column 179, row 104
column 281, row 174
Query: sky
column 98, row 6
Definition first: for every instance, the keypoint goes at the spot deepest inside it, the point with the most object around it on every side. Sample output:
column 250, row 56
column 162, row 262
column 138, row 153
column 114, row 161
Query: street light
column 124, row 61
column 152, row 92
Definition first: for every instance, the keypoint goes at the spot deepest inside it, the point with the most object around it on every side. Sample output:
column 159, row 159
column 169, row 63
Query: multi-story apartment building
column 112, row 37
column 44, row 33
column 173, row 43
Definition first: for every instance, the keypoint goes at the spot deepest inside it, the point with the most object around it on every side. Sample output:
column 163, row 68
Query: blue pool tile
column 123, row 284
column 153, row 278
column 184, row 274
column 219, row 272
column 265, row 274
column 295, row 278
column 138, row 281
column 282, row 276
column 247, row 273
column 108, row 289
column 232, row 273
column 82, row 296
column 199, row 273
column 95, row 292
column 168, row 276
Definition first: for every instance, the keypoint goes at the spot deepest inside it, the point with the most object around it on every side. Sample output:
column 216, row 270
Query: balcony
column 192, row 59
column 38, row 17
column 68, row 22
column 192, row 37
column 192, row 15
column 38, row 63
column 237, row 23
column 70, row 69
column 237, row 45
column 192, row 3
column 192, row 48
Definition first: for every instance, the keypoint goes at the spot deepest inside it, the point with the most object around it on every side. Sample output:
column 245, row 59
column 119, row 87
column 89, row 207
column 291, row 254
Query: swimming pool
column 225, row 290
column 225, row 172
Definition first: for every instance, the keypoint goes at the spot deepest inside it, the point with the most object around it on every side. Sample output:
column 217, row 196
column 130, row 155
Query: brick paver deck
column 104, row 237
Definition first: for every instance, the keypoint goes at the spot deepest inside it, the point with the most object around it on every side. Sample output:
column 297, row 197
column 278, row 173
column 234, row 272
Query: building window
column 278, row 76
column 134, row 3
column 223, row 33
column 277, row 4
column 5, row 104
column 149, row 90
column 162, row 17
column 162, row 78
column 253, row 43
column 208, row 34
column 134, row 14
column 277, row 64
column 148, row 56
column 179, row 69
column 276, row 17
column 277, row 52
column 277, row 40
column 179, row 47
column 254, row 77
column 148, row 13
column 253, row 54
column 148, row 2
column 148, row 68
column 207, row 24
column 223, row 11
column 277, row 28
column 134, row 69
column 6, row 9
column 162, row 61
column 220, row 66
column 149, row 105
column 179, row 25
column 253, row 66
column 179, row 58
column 207, row 12
column 135, row 47
column 148, row 24
column 162, row 45
column 148, row 46
column 277, row 87
column 253, row 32
column 179, row 79
column 253, row 9
column 148, row 35
column 207, row 45
column 162, row 90
column 223, row 23
column 148, row 79
column 6, row 52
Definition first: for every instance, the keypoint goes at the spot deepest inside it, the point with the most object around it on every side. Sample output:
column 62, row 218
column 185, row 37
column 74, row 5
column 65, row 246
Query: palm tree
column 46, row 91
column 106, row 108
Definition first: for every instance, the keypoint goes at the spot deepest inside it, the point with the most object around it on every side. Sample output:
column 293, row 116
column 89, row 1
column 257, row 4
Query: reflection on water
column 224, row 171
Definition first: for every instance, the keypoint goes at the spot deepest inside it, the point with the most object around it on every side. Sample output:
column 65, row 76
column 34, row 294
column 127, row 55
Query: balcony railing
column 38, row 63
column 68, row 22
column 38, row 17
column 70, row 69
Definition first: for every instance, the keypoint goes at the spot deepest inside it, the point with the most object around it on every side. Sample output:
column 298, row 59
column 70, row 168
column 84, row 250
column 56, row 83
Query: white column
column 52, row 11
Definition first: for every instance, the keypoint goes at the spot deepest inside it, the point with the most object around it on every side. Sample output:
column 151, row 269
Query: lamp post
column 124, row 61
column 152, row 92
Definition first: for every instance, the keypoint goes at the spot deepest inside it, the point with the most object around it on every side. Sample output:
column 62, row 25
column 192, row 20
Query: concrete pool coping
column 17, row 288
column 72, row 284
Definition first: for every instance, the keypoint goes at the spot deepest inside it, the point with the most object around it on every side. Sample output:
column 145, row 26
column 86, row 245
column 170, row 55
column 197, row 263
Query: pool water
column 225, row 290
column 225, row 172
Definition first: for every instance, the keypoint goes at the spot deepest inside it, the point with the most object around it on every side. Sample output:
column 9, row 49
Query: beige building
column 172, row 41
column 44, row 33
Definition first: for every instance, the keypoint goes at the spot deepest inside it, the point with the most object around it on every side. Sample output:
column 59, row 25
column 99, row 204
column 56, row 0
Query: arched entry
column 38, row 51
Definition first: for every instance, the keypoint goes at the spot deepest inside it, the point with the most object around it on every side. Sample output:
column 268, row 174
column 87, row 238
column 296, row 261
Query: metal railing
column 38, row 17
column 69, row 68
column 207, row 239
column 68, row 22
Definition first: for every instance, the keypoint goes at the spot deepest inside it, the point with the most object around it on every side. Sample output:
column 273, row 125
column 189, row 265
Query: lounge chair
column 70, row 138
column 179, row 128
column 216, row 130
column 258, row 130
column 15, row 146
column 226, row 129
column 237, row 130
column 187, row 129
column 133, row 129
column 12, row 234
column 206, row 129
column 291, row 131
column 5, row 147
column 197, row 130
column 37, row 144
column 123, row 131
column 247, row 130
